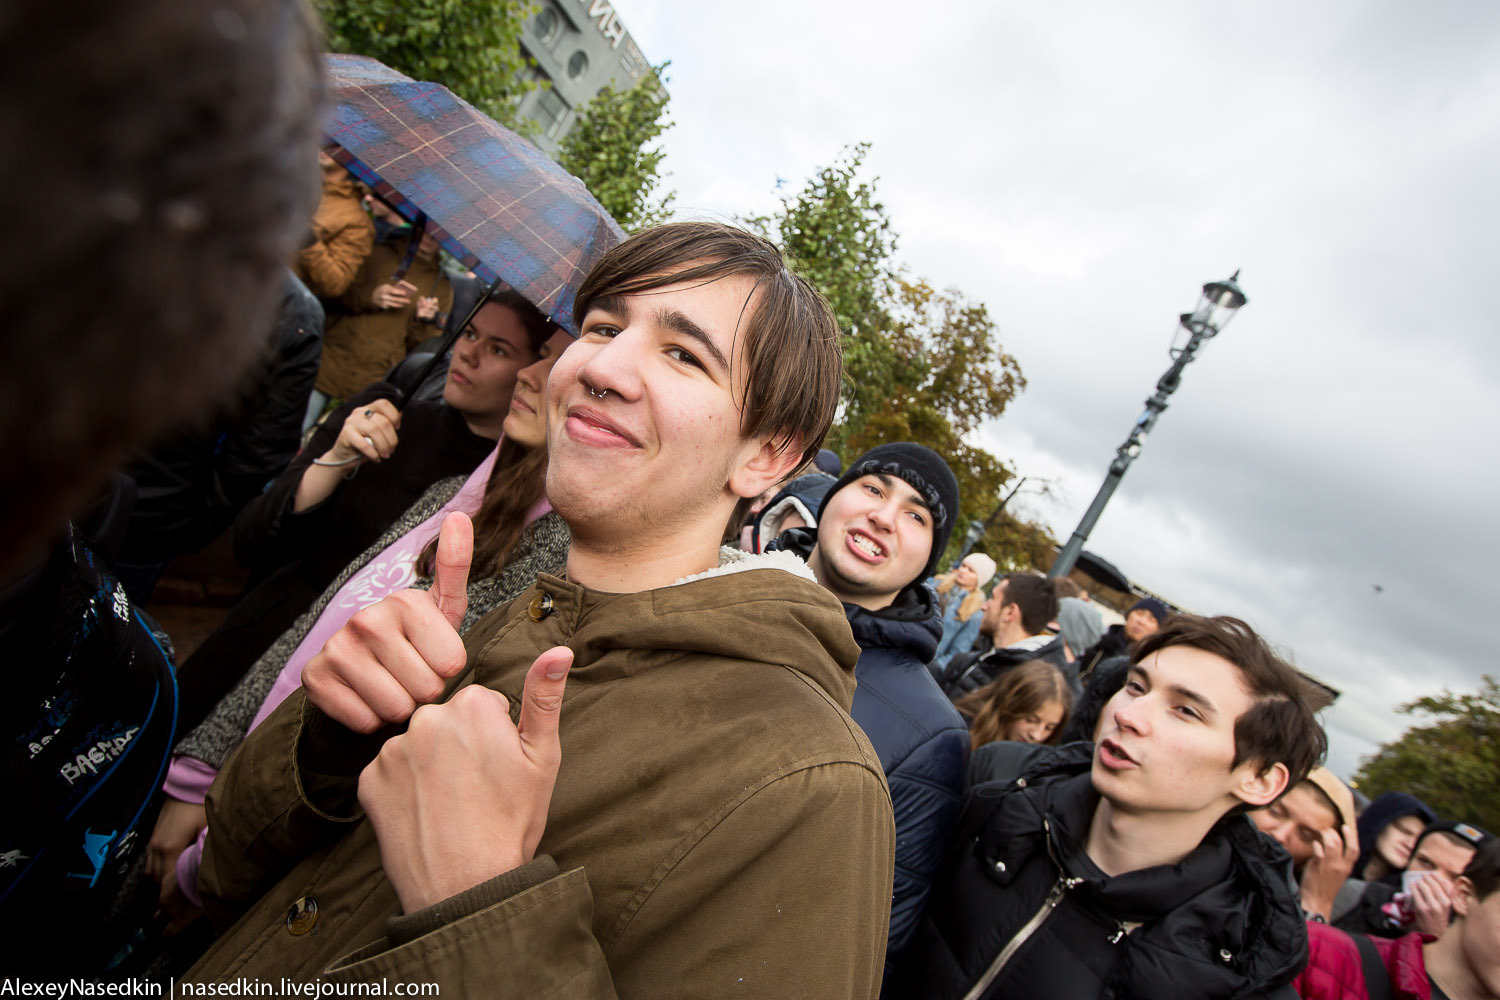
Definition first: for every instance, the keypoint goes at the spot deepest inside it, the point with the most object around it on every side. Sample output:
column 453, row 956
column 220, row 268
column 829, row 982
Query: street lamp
column 1216, row 307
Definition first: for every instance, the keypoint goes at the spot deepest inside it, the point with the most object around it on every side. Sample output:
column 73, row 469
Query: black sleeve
column 261, row 445
column 267, row 534
column 1002, row 761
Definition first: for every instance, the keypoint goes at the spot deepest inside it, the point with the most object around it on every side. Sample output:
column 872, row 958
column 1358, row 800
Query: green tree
column 919, row 364
column 609, row 149
column 1452, row 764
column 840, row 239
column 472, row 47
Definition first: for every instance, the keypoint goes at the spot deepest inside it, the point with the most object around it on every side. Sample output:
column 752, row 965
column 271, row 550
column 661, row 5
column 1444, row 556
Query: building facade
column 578, row 47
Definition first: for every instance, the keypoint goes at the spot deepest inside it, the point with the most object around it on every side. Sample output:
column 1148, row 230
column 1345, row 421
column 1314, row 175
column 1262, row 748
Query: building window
column 551, row 109
column 578, row 65
column 546, row 24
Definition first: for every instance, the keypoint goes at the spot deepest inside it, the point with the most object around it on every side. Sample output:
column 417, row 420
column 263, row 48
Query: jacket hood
column 1382, row 811
column 761, row 608
column 911, row 623
column 1221, row 922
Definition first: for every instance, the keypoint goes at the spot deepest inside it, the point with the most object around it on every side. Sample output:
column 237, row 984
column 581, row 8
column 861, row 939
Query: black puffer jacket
column 1222, row 923
column 190, row 486
column 971, row 671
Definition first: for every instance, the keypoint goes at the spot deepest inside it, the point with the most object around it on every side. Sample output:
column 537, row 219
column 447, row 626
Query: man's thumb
column 450, row 573
column 541, row 701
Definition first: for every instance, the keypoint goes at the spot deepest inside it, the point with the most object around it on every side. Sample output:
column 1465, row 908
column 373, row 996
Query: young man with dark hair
column 696, row 814
column 1015, row 620
column 1124, row 868
column 881, row 530
column 1462, row 964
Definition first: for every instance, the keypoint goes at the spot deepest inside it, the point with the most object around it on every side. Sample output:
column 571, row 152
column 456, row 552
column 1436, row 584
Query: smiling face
column 526, row 423
column 1038, row 726
column 1297, row 820
column 482, row 373
column 874, row 537
column 1166, row 740
column 659, row 453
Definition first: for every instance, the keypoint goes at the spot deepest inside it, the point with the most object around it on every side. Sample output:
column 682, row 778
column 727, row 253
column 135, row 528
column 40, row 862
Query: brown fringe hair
column 1021, row 690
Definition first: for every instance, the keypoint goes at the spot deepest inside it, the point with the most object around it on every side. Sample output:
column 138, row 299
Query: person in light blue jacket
column 961, row 594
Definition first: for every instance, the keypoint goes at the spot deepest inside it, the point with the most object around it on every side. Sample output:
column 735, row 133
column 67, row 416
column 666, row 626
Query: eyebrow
column 889, row 481
column 678, row 322
column 619, row 307
column 1185, row 693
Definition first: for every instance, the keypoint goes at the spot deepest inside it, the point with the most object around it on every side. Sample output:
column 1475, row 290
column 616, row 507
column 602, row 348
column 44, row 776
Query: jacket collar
column 1224, row 915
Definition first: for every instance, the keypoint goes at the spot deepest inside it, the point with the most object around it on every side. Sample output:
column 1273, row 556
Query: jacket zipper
column 1049, row 904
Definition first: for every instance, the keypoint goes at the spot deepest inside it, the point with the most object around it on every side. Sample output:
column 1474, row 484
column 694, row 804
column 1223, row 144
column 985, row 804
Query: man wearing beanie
column 1144, row 617
column 880, row 532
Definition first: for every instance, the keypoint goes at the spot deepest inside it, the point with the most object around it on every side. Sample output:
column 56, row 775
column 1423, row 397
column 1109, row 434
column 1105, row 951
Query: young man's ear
column 1464, row 897
column 1261, row 789
column 763, row 464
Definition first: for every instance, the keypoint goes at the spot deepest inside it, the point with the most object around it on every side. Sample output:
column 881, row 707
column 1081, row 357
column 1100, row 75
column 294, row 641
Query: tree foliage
column 1452, row 764
column 472, row 47
column 609, row 149
column 919, row 364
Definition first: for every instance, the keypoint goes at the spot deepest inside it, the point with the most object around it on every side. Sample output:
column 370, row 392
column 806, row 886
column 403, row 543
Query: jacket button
column 302, row 916
column 540, row 607
column 999, row 865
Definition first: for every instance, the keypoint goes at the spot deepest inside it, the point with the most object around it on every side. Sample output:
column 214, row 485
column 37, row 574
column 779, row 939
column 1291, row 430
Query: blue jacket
column 921, row 739
column 919, row 736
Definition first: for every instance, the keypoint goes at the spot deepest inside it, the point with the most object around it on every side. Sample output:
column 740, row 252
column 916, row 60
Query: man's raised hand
column 399, row 653
column 463, row 794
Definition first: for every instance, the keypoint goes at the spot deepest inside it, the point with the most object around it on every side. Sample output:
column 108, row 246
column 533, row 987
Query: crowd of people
column 590, row 672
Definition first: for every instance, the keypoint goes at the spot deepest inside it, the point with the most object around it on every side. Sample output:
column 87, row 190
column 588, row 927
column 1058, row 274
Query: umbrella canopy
column 492, row 199
column 1104, row 571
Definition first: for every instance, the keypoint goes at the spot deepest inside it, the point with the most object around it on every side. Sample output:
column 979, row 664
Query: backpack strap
column 1377, row 979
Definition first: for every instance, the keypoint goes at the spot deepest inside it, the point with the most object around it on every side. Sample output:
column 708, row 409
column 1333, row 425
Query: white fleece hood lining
column 733, row 560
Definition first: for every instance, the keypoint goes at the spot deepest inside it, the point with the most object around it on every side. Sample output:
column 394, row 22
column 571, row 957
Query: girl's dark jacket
column 1222, row 923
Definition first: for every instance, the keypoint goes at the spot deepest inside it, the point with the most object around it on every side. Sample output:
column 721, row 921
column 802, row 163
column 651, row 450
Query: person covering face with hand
column 476, row 813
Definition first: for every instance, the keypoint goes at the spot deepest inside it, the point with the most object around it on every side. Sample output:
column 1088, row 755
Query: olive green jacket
column 720, row 826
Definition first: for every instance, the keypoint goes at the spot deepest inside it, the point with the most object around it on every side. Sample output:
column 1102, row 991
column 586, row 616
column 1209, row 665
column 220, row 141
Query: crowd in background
column 952, row 792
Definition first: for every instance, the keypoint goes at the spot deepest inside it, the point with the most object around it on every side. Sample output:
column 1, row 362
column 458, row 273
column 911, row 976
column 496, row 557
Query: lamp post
column 1216, row 308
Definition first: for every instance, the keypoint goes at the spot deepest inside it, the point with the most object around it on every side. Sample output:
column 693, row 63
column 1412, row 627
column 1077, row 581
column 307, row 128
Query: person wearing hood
column 880, row 532
column 1388, row 830
column 1126, row 868
column 962, row 595
column 1420, row 896
column 796, row 506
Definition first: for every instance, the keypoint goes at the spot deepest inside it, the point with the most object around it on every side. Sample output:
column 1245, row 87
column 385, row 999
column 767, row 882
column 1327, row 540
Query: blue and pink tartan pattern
column 493, row 200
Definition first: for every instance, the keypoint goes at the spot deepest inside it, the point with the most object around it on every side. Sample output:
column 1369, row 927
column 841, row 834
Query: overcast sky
column 1083, row 168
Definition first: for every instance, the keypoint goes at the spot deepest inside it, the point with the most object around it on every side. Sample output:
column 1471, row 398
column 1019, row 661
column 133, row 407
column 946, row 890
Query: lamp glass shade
column 1216, row 306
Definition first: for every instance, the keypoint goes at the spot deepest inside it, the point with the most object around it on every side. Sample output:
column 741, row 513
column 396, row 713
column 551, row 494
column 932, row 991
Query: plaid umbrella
column 492, row 199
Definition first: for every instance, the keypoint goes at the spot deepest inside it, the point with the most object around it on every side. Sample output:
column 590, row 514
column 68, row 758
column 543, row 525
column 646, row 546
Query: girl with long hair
column 516, row 537
column 961, row 595
column 1029, row 703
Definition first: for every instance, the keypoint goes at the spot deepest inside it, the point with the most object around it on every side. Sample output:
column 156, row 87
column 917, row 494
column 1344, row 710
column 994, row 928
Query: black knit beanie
column 924, row 471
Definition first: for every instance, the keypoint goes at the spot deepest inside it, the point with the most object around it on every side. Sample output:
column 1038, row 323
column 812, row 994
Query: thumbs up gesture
column 399, row 653
column 463, row 794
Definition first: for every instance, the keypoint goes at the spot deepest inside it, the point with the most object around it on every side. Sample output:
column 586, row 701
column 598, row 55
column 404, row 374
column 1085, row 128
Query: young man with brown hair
column 697, row 814
column 1015, row 619
column 1124, row 868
